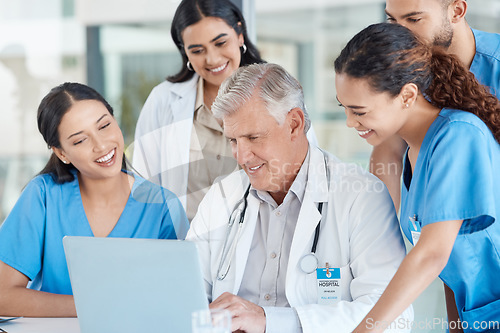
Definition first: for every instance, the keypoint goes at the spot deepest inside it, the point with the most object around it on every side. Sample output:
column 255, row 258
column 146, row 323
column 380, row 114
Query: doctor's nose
column 243, row 153
column 402, row 22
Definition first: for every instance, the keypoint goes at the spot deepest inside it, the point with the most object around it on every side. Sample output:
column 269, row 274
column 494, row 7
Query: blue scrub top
column 31, row 236
column 486, row 62
column 457, row 177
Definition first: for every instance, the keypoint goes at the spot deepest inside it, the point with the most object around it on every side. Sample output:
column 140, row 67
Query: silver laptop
column 134, row 285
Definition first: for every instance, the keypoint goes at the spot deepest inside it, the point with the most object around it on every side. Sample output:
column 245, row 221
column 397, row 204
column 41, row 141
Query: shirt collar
column 199, row 95
column 202, row 113
column 299, row 184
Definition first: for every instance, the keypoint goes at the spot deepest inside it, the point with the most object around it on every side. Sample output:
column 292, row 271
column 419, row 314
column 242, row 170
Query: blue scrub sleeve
column 22, row 233
column 175, row 223
column 460, row 177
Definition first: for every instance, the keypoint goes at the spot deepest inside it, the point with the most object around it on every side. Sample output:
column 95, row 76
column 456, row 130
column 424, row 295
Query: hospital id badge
column 415, row 229
column 328, row 280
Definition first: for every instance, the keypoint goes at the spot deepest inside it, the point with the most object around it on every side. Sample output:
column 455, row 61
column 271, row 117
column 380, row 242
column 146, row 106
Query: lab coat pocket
column 311, row 288
column 345, row 283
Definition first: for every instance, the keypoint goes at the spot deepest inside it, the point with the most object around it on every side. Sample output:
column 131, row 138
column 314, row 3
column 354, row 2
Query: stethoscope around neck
column 308, row 263
column 228, row 253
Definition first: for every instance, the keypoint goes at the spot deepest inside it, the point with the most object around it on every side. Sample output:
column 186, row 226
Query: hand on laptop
column 246, row 316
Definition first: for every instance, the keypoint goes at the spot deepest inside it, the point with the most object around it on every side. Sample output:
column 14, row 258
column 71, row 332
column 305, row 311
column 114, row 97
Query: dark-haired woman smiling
column 391, row 83
column 84, row 190
column 179, row 144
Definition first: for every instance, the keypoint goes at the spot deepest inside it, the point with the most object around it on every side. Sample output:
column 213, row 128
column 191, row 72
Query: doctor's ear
column 296, row 121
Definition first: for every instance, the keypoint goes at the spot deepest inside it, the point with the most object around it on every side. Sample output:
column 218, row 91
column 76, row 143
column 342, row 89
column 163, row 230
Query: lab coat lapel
column 183, row 99
column 309, row 216
column 308, row 219
column 178, row 135
column 245, row 241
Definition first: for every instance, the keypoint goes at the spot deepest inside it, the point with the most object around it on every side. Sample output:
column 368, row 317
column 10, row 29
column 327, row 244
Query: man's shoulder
column 486, row 62
column 343, row 168
column 487, row 43
column 348, row 173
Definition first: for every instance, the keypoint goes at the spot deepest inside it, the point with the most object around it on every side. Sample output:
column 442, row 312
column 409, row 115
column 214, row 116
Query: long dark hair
column 390, row 56
column 50, row 112
column 190, row 12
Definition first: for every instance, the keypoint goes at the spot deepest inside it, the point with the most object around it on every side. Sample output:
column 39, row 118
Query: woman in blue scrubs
column 390, row 82
column 84, row 190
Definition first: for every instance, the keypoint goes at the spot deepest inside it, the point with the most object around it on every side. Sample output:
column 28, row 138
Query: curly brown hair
column 389, row 56
column 456, row 87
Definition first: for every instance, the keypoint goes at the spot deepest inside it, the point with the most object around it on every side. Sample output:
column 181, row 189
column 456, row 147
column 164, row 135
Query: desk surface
column 42, row 325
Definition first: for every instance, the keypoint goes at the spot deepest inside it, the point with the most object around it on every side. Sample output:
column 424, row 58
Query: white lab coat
column 163, row 136
column 359, row 234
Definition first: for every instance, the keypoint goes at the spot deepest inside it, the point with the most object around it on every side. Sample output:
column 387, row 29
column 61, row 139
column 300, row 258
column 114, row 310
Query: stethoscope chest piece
column 309, row 263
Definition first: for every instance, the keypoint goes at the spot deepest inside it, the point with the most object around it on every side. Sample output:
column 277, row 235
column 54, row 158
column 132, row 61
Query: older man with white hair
column 296, row 241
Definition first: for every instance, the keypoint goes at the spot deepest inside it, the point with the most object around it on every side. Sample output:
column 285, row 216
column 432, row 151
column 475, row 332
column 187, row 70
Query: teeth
column 106, row 158
column 218, row 69
column 256, row 168
column 364, row 132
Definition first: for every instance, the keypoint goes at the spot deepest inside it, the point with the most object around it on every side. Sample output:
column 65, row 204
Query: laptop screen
column 134, row 285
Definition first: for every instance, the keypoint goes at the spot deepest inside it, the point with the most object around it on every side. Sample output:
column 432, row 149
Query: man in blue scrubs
column 442, row 23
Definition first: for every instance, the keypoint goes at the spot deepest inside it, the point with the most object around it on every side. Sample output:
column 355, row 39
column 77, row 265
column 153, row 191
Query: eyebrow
column 405, row 15
column 249, row 135
column 356, row 107
column 213, row 40
column 240, row 136
column 80, row 132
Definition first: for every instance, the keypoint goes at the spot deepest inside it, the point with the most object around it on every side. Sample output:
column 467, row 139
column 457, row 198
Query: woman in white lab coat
column 178, row 143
